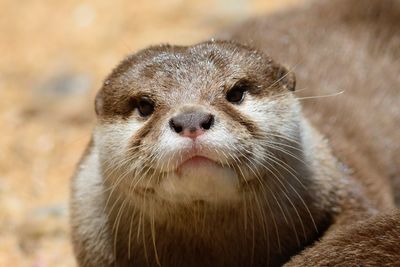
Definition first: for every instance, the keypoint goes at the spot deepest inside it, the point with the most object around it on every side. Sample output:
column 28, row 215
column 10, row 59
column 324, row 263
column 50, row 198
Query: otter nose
column 192, row 124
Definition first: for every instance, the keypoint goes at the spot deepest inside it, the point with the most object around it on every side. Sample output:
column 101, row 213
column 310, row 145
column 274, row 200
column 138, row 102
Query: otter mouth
column 197, row 160
column 196, row 175
column 199, row 178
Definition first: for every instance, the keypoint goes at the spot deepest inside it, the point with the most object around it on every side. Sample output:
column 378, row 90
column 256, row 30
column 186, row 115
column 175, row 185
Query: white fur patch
column 113, row 139
column 89, row 219
column 207, row 181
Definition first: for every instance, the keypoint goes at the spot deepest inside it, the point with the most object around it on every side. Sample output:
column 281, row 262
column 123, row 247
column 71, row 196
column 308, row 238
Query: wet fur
column 331, row 47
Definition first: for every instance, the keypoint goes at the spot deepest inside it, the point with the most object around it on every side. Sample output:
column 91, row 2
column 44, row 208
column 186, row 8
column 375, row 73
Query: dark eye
column 236, row 93
column 145, row 106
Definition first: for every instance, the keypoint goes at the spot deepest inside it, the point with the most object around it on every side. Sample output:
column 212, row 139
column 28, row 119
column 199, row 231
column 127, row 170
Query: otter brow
column 245, row 83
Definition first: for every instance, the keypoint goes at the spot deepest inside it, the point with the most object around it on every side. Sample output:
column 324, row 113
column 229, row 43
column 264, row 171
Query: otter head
column 207, row 123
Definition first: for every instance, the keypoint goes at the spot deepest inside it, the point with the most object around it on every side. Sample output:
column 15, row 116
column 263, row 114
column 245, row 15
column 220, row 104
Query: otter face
column 199, row 123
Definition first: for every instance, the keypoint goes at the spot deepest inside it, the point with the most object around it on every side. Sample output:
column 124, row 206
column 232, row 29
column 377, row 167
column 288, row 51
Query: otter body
column 349, row 49
column 204, row 156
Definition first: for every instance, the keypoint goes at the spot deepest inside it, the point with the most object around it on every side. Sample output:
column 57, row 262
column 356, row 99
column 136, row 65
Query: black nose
column 194, row 121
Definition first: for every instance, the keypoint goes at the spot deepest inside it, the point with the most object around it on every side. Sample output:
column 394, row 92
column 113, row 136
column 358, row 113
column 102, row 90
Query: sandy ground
column 54, row 55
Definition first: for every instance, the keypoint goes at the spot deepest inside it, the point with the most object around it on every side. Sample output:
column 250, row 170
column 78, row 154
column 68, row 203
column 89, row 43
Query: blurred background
column 54, row 56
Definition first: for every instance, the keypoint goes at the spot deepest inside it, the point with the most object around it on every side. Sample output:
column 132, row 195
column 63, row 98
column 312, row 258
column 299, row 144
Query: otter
column 206, row 155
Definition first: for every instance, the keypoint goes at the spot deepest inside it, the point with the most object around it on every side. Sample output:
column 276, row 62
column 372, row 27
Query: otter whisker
column 283, row 137
column 262, row 184
column 320, row 96
column 130, row 235
column 284, row 193
column 289, row 93
column 152, row 226
column 285, row 145
column 296, row 192
column 286, row 152
column 288, row 198
column 114, row 186
column 115, row 162
column 283, row 76
column 116, row 224
column 284, row 166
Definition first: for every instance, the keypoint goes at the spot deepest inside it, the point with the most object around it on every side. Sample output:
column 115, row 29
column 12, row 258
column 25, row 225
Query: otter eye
column 145, row 106
column 236, row 93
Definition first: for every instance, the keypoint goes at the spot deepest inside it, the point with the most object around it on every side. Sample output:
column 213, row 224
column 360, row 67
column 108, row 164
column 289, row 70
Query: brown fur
column 331, row 46
column 351, row 46
column 373, row 242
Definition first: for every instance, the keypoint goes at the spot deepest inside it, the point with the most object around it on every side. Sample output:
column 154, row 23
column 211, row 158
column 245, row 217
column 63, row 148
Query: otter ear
column 99, row 103
column 285, row 78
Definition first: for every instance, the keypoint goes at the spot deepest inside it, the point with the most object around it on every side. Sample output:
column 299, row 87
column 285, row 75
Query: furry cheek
column 277, row 119
column 113, row 138
column 263, row 112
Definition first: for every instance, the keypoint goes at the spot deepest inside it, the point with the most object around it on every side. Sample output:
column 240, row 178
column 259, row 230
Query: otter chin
column 200, row 178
